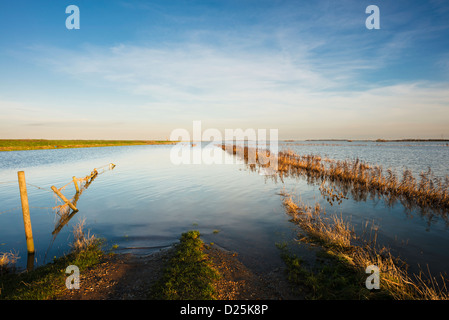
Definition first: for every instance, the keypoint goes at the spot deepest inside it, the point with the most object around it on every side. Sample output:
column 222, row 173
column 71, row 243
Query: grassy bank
column 189, row 274
column 48, row 281
column 36, row 144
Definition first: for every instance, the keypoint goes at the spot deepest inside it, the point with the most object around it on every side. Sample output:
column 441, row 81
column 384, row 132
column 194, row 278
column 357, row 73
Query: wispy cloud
column 305, row 68
column 286, row 89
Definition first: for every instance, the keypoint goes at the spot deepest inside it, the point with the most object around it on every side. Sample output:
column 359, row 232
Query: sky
column 141, row 69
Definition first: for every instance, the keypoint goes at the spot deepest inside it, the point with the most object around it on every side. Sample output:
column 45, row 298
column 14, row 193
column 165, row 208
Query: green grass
column 36, row 144
column 46, row 282
column 189, row 274
column 332, row 277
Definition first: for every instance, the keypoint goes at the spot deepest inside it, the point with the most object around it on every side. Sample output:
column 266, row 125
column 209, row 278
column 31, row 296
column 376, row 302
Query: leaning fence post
column 26, row 212
column 75, row 181
column 64, row 198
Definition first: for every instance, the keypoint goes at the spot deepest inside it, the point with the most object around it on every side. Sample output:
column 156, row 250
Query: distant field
column 35, row 144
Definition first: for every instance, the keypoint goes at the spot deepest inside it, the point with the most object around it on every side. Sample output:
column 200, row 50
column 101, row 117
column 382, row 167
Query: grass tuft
column 7, row 261
column 189, row 274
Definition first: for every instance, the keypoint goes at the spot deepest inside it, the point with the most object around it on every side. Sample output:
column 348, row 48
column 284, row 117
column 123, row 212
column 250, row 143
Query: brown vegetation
column 357, row 177
column 338, row 235
column 7, row 261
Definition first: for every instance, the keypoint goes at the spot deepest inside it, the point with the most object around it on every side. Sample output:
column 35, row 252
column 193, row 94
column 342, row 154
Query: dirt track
column 129, row 277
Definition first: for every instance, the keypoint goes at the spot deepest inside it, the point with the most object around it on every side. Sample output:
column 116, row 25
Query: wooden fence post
column 30, row 261
column 64, row 198
column 75, row 181
column 26, row 212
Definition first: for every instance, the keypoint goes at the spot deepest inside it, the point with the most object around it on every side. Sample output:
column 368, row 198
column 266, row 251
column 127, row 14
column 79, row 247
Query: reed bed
column 336, row 234
column 332, row 231
column 337, row 179
column 358, row 178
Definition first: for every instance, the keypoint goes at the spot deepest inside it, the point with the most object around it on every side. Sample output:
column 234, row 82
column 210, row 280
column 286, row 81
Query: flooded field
column 145, row 202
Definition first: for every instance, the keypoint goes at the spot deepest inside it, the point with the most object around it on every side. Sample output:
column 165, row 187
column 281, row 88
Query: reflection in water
column 365, row 186
column 64, row 212
column 359, row 180
column 30, row 261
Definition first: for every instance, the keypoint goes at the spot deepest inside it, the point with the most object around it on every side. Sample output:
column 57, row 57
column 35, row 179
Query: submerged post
column 75, row 181
column 30, row 261
column 26, row 212
column 63, row 198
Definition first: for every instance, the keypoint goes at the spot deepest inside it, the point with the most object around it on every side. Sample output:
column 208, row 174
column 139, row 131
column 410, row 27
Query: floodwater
column 147, row 201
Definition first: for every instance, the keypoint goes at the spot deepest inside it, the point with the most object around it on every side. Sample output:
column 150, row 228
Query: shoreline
column 375, row 140
column 127, row 276
column 44, row 144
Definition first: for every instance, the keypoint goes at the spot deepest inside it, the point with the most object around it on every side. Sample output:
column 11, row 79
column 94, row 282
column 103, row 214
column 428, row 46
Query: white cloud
column 240, row 81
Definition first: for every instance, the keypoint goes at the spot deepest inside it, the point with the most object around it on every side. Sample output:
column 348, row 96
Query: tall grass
column 359, row 178
column 7, row 261
column 82, row 240
column 336, row 234
column 332, row 231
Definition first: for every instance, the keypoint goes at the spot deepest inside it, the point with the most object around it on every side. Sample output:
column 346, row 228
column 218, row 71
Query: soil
column 129, row 277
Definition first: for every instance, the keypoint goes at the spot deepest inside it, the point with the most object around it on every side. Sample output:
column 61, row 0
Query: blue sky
column 140, row 69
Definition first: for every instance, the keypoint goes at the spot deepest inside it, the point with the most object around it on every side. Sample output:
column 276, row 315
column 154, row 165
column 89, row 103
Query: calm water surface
column 146, row 202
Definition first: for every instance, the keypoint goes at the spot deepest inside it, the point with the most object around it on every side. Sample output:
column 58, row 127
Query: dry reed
column 332, row 231
column 82, row 241
column 7, row 261
column 338, row 235
column 359, row 178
